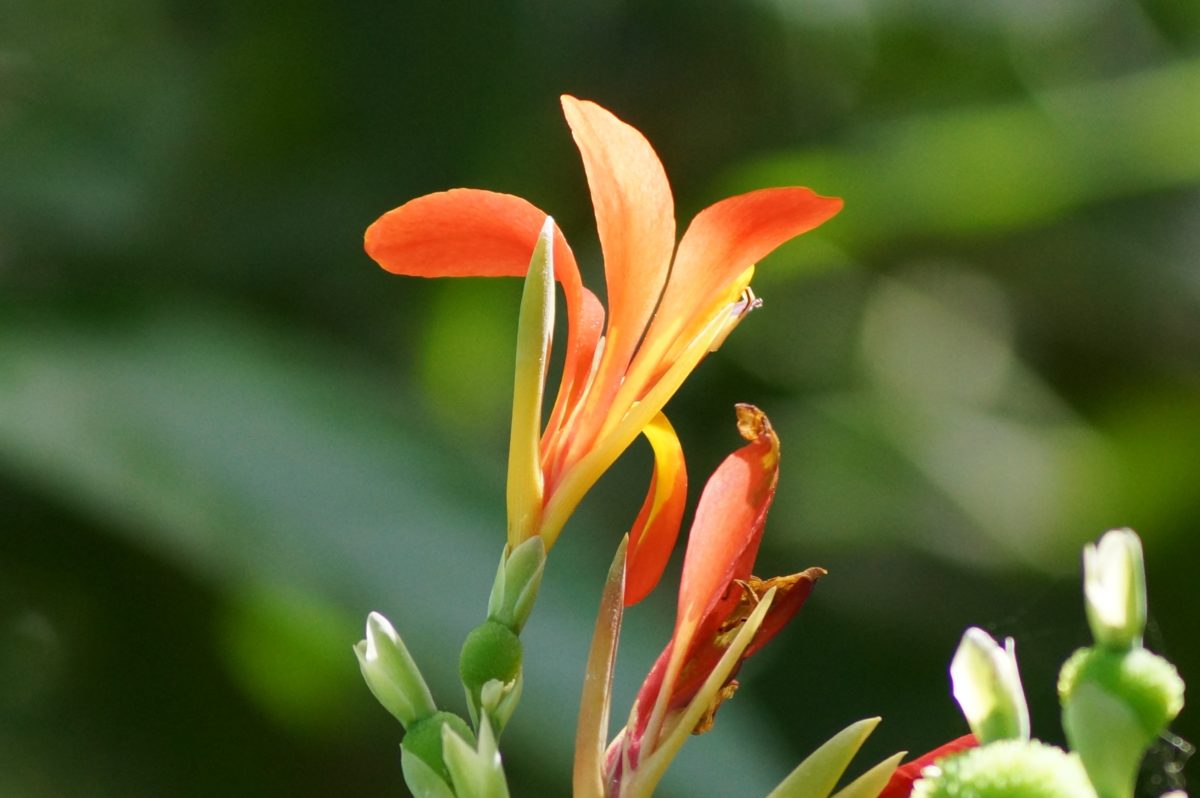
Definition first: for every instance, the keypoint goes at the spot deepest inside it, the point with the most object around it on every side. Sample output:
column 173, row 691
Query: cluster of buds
column 1116, row 696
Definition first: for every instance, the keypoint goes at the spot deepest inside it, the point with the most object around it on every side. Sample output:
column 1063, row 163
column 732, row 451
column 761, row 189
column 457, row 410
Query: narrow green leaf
column 817, row 775
column 871, row 783
column 652, row 768
column 591, row 735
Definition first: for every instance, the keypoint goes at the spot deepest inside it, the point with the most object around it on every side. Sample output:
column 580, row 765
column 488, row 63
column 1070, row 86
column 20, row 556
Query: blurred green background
column 225, row 434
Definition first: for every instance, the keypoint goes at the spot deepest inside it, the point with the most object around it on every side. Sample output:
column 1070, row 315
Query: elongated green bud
column 1114, row 587
column 534, row 329
column 391, row 674
column 987, row 685
column 424, row 741
column 517, row 583
column 475, row 771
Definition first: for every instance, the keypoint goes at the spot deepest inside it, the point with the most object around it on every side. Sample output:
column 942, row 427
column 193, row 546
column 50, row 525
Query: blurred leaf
column 987, row 169
column 286, row 649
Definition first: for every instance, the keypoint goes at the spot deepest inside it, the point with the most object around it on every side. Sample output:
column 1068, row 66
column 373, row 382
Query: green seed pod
column 491, row 651
column 424, row 740
column 1006, row 769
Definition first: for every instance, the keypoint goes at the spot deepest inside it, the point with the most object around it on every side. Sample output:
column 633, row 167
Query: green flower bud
column 987, row 685
column 1114, row 588
column 517, row 583
column 1115, row 704
column 1006, row 769
column 424, row 740
column 491, row 653
column 422, row 780
column 475, row 771
column 391, row 674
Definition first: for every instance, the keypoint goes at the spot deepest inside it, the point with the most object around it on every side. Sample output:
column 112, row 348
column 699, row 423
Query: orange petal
column 576, row 373
column 465, row 232
column 635, row 219
column 657, row 526
column 722, row 242
column 728, row 525
column 468, row 232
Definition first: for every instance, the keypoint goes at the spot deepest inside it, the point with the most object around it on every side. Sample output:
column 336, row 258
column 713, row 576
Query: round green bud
column 424, row 739
column 1006, row 769
column 491, row 651
column 1145, row 683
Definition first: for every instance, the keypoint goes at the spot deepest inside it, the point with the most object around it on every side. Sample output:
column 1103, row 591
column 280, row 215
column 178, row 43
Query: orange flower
column 665, row 313
column 724, row 615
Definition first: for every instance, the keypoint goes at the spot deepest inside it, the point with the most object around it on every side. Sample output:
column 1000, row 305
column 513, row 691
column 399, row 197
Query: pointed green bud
column 422, row 780
column 1115, row 704
column 1114, row 588
column 391, row 674
column 987, row 685
column 425, row 737
column 534, row 329
column 491, row 652
column 1006, row 769
column 498, row 700
column 475, row 771
column 517, row 581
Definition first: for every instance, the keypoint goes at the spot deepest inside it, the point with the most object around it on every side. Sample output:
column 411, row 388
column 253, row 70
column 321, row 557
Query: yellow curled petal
column 657, row 526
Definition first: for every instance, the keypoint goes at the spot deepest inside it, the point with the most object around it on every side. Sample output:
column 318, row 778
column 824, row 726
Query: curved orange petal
column 468, row 232
column 657, row 526
column 722, row 242
column 576, row 373
column 728, row 526
column 635, row 219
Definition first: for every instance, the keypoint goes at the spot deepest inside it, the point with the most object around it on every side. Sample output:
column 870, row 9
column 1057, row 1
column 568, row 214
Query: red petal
column 728, row 525
column 790, row 594
column 900, row 785
column 657, row 526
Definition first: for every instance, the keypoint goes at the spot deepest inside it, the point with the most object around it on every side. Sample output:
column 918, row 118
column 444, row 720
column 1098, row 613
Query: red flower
column 719, row 622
